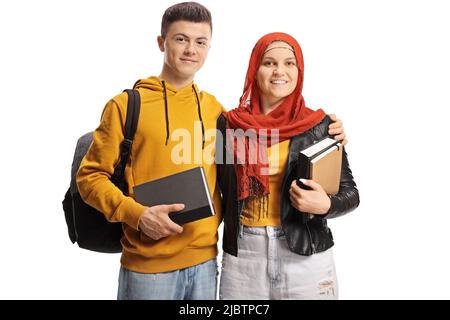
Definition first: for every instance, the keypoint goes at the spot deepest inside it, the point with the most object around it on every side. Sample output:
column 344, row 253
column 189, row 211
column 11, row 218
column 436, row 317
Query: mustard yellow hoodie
column 168, row 140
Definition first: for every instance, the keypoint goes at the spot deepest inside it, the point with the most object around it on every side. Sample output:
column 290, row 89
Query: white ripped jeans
column 266, row 269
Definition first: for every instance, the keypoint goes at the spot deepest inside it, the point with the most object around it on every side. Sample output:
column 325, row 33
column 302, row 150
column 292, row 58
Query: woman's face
column 277, row 74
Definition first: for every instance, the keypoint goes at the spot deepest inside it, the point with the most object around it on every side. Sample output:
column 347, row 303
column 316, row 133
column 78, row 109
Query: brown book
column 322, row 163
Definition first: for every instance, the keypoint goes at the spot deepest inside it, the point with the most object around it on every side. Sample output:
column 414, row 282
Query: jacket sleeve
column 97, row 167
column 347, row 199
column 219, row 156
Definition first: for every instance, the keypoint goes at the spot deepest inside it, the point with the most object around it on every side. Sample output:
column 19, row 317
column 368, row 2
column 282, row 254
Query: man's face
column 185, row 47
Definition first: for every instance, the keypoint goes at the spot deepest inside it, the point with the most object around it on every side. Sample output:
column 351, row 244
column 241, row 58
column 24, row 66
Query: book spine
column 184, row 217
column 303, row 167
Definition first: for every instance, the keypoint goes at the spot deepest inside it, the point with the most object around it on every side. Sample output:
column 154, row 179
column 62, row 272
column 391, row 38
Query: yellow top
column 251, row 213
column 152, row 159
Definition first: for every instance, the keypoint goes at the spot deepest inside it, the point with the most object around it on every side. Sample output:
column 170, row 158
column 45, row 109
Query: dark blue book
column 189, row 187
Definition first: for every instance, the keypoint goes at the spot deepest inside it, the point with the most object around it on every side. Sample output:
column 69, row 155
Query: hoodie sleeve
column 97, row 167
column 222, row 108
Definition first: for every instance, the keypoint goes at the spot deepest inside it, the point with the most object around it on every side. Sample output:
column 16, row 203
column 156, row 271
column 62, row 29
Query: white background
column 381, row 66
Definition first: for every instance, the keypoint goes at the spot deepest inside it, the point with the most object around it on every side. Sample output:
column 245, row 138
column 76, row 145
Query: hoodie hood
column 156, row 84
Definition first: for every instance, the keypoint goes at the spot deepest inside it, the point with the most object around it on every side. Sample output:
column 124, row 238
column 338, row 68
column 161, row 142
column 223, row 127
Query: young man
column 160, row 259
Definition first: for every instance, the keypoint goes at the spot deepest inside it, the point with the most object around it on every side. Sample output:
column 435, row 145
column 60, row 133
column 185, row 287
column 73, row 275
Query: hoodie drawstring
column 166, row 108
column 200, row 117
column 167, row 111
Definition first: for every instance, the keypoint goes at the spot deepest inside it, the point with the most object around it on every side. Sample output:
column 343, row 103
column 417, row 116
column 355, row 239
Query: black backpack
column 87, row 226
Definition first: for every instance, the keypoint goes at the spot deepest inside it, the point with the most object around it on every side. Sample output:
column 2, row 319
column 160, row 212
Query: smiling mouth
column 278, row 82
column 188, row 60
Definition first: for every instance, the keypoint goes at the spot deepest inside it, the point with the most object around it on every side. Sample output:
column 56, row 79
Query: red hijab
column 291, row 118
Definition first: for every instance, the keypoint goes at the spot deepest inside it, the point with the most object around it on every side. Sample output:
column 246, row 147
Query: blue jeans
column 194, row 283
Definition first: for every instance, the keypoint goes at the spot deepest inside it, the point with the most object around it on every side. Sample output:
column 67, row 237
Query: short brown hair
column 188, row 11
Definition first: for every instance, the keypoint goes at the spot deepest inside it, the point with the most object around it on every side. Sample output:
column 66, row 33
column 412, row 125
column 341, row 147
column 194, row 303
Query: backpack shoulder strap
column 133, row 110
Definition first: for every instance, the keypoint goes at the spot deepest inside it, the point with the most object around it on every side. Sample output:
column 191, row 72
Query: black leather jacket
column 304, row 236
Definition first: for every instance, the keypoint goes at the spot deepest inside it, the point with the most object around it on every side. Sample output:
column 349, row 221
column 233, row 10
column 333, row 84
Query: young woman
column 273, row 249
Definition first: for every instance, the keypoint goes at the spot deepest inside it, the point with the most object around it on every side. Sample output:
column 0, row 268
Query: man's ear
column 160, row 40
